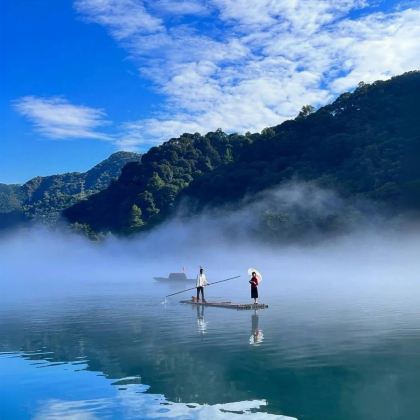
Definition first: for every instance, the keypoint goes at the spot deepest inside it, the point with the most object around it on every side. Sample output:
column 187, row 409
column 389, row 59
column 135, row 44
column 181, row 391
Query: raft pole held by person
column 210, row 284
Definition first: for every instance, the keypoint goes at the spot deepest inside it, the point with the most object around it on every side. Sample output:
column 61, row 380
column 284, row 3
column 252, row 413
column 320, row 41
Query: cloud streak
column 124, row 18
column 56, row 118
column 229, row 64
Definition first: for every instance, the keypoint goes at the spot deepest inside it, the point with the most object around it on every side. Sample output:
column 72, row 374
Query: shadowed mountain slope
column 365, row 146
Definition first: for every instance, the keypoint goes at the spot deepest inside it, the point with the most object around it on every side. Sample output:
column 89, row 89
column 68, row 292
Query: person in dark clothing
column 254, row 287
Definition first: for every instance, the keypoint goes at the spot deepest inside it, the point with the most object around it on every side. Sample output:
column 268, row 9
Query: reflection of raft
column 175, row 277
column 228, row 304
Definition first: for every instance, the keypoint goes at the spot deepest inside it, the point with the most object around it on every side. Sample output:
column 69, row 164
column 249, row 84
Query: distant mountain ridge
column 43, row 198
column 10, row 197
column 365, row 145
column 146, row 193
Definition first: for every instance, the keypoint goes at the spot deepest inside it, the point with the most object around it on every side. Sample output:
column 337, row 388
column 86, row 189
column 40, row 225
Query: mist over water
column 365, row 272
column 338, row 340
column 226, row 241
column 62, row 260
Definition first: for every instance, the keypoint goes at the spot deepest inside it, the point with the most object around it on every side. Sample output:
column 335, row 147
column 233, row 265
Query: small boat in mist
column 175, row 277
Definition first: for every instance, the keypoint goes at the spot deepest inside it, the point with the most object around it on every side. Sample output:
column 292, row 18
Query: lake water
column 321, row 351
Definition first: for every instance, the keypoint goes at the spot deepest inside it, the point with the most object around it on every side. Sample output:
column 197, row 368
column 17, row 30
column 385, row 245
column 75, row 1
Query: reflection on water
column 201, row 322
column 257, row 335
column 127, row 399
column 125, row 357
column 323, row 356
column 152, row 407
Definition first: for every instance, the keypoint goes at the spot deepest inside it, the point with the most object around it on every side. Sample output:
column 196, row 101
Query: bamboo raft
column 227, row 304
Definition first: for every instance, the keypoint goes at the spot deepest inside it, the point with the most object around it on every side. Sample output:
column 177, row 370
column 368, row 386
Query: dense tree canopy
column 44, row 198
column 146, row 193
column 365, row 146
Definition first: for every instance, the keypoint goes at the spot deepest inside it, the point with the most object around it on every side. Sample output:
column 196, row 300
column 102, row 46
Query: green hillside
column 44, row 198
column 364, row 145
column 10, row 198
column 146, row 193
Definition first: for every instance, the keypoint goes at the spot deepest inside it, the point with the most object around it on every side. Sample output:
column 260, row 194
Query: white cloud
column 180, row 7
column 135, row 404
column 378, row 47
column 293, row 15
column 258, row 62
column 56, row 118
column 124, row 18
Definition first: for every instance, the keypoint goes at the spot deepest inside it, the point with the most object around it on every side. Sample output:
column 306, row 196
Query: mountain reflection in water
column 325, row 354
column 127, row 399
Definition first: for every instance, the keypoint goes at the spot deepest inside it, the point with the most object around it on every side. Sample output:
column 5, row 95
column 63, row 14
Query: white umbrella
column 254, row 270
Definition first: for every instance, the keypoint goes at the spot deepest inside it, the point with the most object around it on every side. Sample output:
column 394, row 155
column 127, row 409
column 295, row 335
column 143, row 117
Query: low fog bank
column 295, row 212
column 61, row 260
column 366, row 246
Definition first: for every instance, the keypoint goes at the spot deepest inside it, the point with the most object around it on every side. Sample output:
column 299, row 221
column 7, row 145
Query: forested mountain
column 146, row 193
column 10, row 197
column 364, row 145
column 11, row 213
column 44, row 198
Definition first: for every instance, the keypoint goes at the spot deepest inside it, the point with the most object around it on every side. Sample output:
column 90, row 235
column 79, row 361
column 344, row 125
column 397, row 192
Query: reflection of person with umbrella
column 256, row 279
column 257, row 335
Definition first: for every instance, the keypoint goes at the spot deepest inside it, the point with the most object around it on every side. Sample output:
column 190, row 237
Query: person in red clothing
column 254, row 287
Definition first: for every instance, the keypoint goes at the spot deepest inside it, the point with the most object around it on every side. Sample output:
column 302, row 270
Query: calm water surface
column 323, row 351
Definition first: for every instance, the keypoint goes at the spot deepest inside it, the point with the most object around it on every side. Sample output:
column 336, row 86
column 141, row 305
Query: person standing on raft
column 200, row 284
column 254, row 287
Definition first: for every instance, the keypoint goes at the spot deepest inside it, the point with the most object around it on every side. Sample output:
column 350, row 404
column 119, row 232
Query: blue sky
column 81, row 79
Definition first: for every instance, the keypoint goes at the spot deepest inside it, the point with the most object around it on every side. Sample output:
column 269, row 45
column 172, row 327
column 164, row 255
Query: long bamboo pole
column 210, row 284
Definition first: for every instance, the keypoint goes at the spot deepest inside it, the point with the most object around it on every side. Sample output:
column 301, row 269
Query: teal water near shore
column 318, row 352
